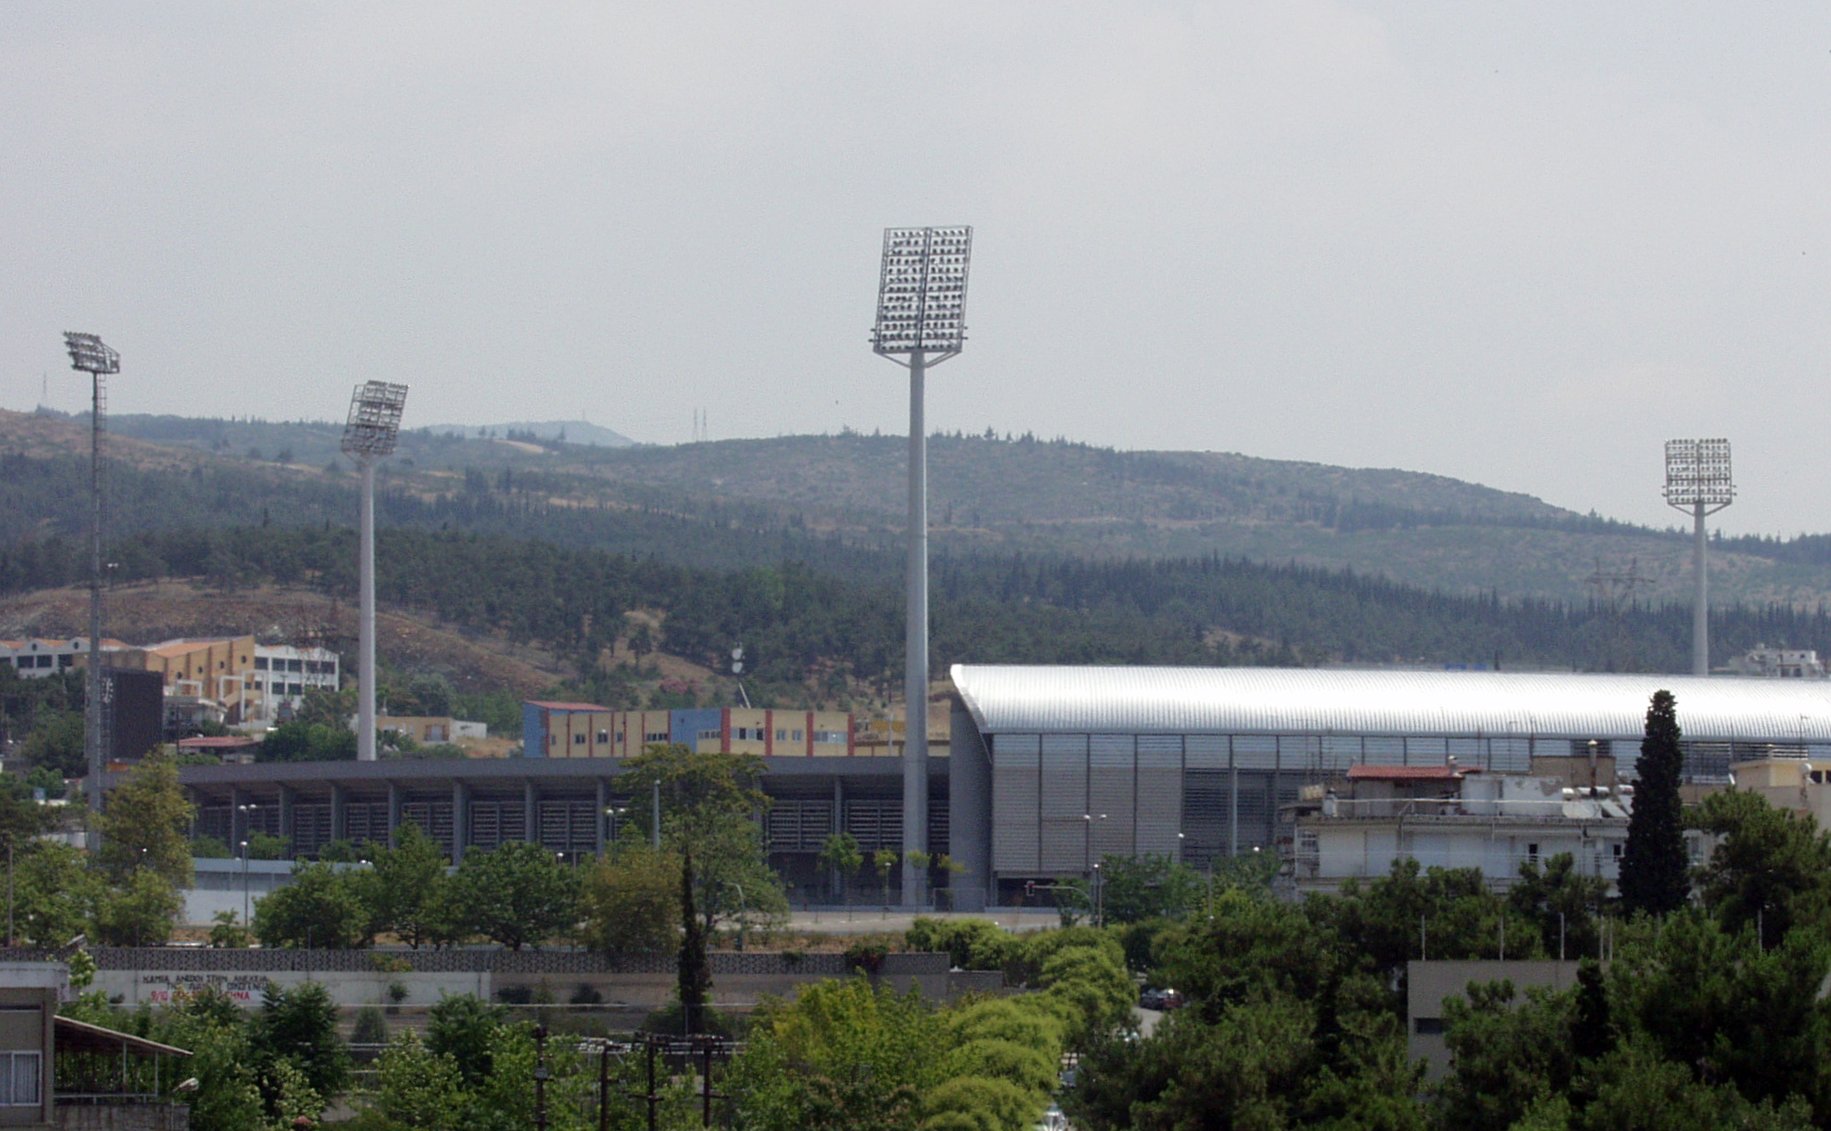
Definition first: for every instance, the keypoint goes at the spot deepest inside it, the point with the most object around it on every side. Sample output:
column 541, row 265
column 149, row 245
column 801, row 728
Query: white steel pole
column 915, row 664
column 1700, row 612
column 365, row 707
column 92, row 698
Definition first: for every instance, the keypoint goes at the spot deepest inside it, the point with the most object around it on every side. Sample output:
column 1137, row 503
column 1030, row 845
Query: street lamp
column 244, row 883
column 1698, row 480
column 373, row 429
column 89, row 355
column 1087, row 852
column 921, row 304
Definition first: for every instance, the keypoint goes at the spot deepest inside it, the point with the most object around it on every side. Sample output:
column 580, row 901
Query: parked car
column 1154, row 998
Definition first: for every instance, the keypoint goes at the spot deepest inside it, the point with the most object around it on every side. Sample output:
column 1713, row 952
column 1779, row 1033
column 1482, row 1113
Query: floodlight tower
column 89, row 355
column 921, row 304
column 374, row 428
column 1697, row 480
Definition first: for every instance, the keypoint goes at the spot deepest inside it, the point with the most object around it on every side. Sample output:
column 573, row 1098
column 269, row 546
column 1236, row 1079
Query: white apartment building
column 282, row 676
column 39, row 656
column 1446, row 817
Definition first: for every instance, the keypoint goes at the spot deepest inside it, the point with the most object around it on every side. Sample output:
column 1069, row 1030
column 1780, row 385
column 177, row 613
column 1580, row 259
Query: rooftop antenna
column 89, row 355
column 921, row 308
column 370, row 435
column 1698, row 480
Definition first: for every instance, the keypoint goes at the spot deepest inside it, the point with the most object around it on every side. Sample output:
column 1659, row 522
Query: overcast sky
column 1519, row 244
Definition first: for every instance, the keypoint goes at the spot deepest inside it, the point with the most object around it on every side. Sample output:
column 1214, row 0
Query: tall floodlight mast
column 89, row 355
column 1697, row 480
column 373, row 430
column 921, row 304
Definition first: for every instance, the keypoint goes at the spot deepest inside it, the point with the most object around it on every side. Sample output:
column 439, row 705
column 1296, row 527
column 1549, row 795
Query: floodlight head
column 88, row 354
column 375, row 420
column 1697, row 472
column 921, row 291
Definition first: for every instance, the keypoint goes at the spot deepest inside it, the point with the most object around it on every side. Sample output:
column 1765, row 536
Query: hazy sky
column 1521, row 244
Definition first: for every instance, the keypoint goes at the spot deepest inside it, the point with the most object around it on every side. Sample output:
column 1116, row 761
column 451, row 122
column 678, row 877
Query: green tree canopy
column 518, row 894
column 146, row 823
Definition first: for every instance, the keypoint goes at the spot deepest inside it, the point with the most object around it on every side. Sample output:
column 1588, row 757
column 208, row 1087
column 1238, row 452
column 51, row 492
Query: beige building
column 218, row 668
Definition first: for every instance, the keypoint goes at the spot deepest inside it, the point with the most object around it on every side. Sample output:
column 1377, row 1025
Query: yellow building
column 218, row 668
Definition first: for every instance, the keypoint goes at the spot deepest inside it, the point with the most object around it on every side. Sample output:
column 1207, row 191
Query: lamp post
column 1698, row 480
column 921, row 303
column 244, row 883
column 373, row 430
column 1087, row 851
column 89, row 355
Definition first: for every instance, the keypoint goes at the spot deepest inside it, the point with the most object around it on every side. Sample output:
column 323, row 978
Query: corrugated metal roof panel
column 1143, row 700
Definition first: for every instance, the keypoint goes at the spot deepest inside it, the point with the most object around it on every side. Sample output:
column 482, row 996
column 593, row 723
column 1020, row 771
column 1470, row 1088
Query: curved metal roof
column 1035, row 699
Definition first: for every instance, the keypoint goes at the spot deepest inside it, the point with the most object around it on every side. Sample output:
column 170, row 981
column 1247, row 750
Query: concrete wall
column 157, row 975
column 1430, row 984
column 124, row 1117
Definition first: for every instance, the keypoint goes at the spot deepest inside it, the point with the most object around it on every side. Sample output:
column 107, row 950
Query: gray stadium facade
column 1052, row 768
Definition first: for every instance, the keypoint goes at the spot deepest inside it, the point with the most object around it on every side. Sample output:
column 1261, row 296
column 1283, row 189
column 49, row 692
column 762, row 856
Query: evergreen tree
column 1653, row 868
column 695, row 968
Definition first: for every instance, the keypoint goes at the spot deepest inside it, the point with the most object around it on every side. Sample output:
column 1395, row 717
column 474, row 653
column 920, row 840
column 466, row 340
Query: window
column 295, row 689
column 797, row 736
column 838, row 736
column 712, row 735
column 655, row 736
column 578, row 739
column 1427, row 1026
column 603, row 736
column 781, row 735
column 295, row 665
column 19, row 1073
column 260, row 663
column 1532, row 853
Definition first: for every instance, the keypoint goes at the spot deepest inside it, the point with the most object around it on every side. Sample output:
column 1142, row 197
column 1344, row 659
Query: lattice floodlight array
column 1697, row 471
column 88, row 354
column 921, row 293
column 375, row 419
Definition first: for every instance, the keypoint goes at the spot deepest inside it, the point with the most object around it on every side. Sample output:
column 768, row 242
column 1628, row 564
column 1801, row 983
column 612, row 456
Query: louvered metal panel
column 485, row 825
column 1255, row 751
column 876, row 824
column 1160, row 796
column 939, row 827
column 1207, row 751
column 215, row 820
column 365, row 821
column 311, row 828
column 1207, row 808
column 1112, row 778
column 1016, row 804
column 1063, row 802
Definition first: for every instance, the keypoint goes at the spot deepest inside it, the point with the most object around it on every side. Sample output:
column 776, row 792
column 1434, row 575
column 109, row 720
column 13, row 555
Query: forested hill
column 835, row 501
column 820, row 636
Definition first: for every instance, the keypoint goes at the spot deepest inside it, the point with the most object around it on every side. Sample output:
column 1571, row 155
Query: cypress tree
column 1653, row 868
column 695, row 969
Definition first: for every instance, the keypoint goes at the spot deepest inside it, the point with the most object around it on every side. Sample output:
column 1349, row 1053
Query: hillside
column 818, row 498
